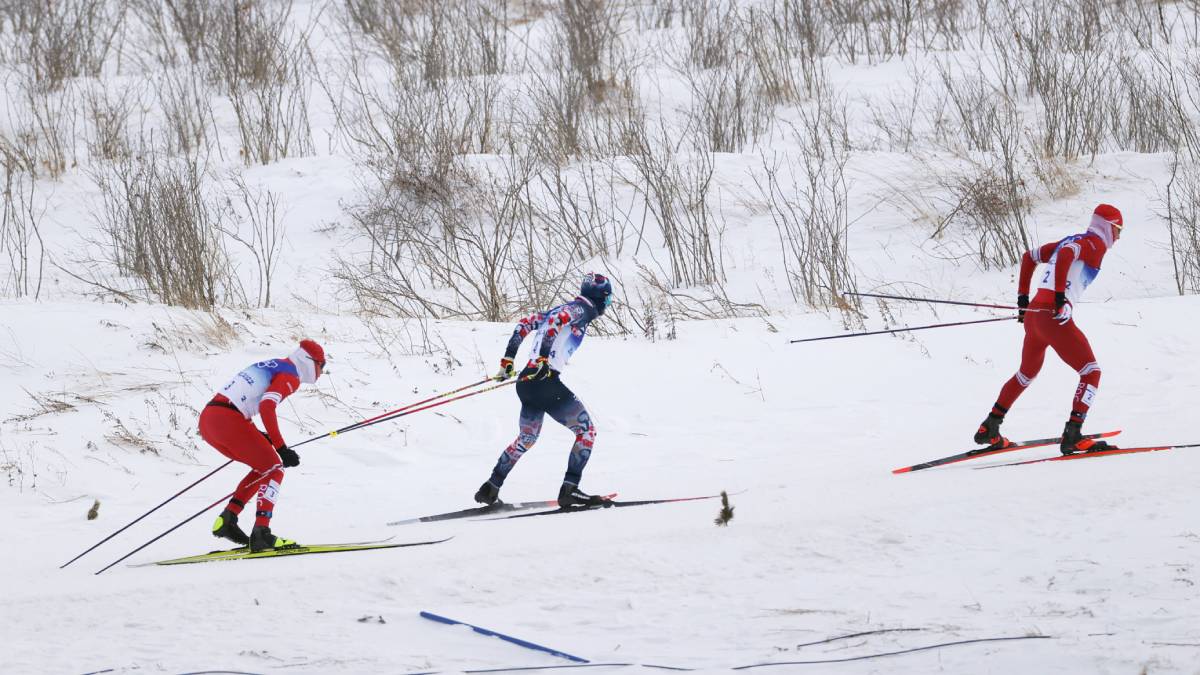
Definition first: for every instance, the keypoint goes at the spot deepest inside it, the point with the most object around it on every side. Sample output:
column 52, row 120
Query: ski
column 244, row 553
column 498, row 507
column 986, row 452
column 1097, row 453
column 608, row 504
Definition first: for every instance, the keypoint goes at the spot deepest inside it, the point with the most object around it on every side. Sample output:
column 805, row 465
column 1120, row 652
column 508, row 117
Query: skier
column 541, row 390
column 1071, row 266
column 225, row 424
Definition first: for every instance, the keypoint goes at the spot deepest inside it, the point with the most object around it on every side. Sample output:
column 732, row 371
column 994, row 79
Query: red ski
column 985, row 452
column 1097, row 453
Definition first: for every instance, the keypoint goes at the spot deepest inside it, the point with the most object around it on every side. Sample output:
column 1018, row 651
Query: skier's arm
column 282, row 386
column 1029, row 263
column 524, row 327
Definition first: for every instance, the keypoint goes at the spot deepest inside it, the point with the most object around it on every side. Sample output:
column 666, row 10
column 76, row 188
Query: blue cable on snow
column 507, row 638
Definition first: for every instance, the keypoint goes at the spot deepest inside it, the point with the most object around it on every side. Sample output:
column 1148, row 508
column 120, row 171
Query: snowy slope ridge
column 825, row 540
column 430, row 170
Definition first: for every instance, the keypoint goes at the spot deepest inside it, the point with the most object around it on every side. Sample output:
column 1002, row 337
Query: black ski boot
column 1073, row 441
column 226, row 527
column 571, row 496
column 487, row 493
column 989, row 433
column 261, row 539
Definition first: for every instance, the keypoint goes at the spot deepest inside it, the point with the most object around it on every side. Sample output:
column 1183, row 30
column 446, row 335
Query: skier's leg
column 573, row 415
column 1073, row 347
column 1033, row 357
column 530, row 423
column 236, row 438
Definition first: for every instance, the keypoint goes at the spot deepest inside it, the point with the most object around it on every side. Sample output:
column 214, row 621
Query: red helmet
column 1107, row 221
column 311, row 350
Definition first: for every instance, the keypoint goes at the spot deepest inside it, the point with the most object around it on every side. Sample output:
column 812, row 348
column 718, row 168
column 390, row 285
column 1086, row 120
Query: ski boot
column 261, row 539
column 989, row 433
column 570, row 496
column 487, row 494
column 1073, row 441
column 226, row 527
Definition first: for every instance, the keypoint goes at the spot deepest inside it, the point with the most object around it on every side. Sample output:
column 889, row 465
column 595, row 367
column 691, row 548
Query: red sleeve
column 282, row 386
column 1029, row 263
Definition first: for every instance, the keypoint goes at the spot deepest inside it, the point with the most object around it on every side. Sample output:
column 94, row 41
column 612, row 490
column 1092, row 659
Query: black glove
column 1022, row 302
column 288, row 456
column 543, row 369
column 1060, row 299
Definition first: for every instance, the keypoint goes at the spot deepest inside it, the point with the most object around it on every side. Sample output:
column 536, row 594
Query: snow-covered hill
column 1089, row 566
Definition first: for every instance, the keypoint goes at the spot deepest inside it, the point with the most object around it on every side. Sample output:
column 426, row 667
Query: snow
column 100, row 400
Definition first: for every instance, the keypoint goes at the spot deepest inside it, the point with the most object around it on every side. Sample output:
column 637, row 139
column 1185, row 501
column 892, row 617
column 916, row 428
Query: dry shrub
column 589, row 29
column 185, row 99
column 1182, row 213
column 263, row 64
column 164, row 230
column 413, row 135
column 807, row 197
column 440, row 39
column 41, row 133
column 460, row 254
column 675, row 190
column 109, row 115
column 171, row 22
column 256, row 223
column 21, row 232
column 54, row 42
column 990, row 204
column 729, row 108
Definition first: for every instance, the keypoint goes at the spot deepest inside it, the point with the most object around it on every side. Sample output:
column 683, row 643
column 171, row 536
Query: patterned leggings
column 538, row 399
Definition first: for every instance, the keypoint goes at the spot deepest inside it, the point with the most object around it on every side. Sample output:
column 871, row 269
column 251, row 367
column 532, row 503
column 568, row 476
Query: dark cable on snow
column 903, row 651
column 854, row 635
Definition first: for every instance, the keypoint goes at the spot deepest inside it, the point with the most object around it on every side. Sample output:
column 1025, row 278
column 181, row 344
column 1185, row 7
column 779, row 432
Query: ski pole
column 180, row 524
column 380, row 416
column 939, row 302
column 440, row 403
column 901, row 330
column 399, row 412
column 210, row 474
column 139, row 518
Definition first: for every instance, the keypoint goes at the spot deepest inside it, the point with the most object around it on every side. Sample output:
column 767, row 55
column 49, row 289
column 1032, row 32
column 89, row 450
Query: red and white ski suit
column 1071, row 265
column 225, row 424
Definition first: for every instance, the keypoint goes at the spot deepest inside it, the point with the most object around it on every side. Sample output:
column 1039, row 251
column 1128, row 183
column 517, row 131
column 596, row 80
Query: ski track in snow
column 825, row 541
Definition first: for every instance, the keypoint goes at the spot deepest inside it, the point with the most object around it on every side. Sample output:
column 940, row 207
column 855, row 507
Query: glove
column 288, row 456
column 1022, row 302
column 543, row 369
column 1062, row 313
column 506, row 369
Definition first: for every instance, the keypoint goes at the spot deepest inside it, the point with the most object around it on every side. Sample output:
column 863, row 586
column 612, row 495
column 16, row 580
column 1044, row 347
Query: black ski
column 610, row 504
column 498, row 507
